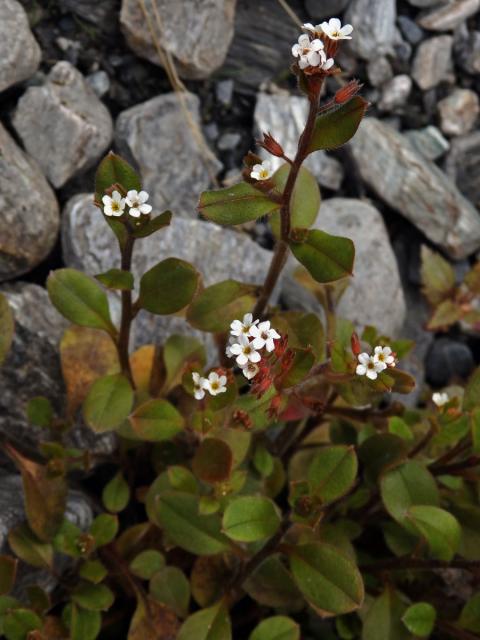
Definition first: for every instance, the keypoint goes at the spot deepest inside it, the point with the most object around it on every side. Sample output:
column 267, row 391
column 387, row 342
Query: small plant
column 280, row 482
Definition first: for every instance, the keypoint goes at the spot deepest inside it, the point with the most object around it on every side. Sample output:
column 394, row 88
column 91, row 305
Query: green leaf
column 475, row 428
column 104, row 529
column 420, row 619
column 83, row 624
column 116, row 279
column 305, row 200
column 303, row 361
column 115, row 170
column 337, row 126
column 440, row 529
column 108, row 403
column 67, row 539
column 251, row 518
column 236, row 205
column 40, row 411
column 327, row 258
column 263, row 460
column 177, row 513
column 332, row 472
column 7, row 327
column 168, row 287
column 438, row 276
column 400, row 428
column 170, row 587
column 80, row 299
column 93, row 597
column 213, row 461
column 406, row 486
column 384, row 618
column 217, row 306
column 178, row 353
column 470, row 615
column 472, row 392
column 445, row 315
column 303, row 329
column 154, row 224
column 147, row 563
column 329, row 581
column 8, row 572
column 93, row 571
column 276, row 628
column 116, row 493
column 152, row 621
column 208, row 578
column 381, row 452
column 156, row 420
column 19, row 622
column 208, row 624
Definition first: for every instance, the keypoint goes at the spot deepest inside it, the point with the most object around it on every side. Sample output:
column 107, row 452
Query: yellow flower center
column 115, row 206
column 215, row 385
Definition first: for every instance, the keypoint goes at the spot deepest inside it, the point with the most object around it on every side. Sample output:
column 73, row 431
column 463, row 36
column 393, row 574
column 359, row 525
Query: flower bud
column 347, row 92
column 356, row 346
column 271, row 145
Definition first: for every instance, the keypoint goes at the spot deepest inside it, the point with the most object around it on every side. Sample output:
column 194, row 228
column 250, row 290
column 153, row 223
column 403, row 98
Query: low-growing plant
column 260, row 490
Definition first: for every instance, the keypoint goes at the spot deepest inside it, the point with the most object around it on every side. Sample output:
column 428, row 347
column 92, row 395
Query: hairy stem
column 281, row 250
column 127, row 313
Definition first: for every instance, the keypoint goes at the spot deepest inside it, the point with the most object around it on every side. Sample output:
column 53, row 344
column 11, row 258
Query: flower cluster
column 314, row 48
column 214, row 384
column 372, row 365
column 247, row 338
column 114, row 205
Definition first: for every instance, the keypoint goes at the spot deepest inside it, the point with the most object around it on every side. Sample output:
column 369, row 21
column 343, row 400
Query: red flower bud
column 356, row 346
column 347, row 92
column 271, row 145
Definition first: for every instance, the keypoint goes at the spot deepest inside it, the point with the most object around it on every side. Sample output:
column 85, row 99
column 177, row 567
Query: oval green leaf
column 108, row 403
column 440, row 529
column 115, row 170
column 116, row 493
column 420, row 619
column 215, row 307
column 147, row 563
column 251, row 518
column 276, row 628
column 332, row 472
column 156, row 420
column 236, row 205
column 208, row 624
column 170, row 587
column 305, row 201
column 93, row 597
column 116, row 279
column 337, row 126
column 327, row 258
column 168, row 287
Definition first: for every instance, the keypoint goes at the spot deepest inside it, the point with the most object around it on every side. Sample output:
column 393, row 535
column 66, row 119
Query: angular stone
column 29, row 216
column 450, row 16
column 375, row 295
column 284, row 117
column 374, row 22
column 433, row 62
column 463, row 165
column 379, row 71
column 197, row 33
column 395, row 93
column 63, row 124
column 19, row 52
column 467, row 51
column 459, row 112
column 426, row 3
column 175, row 165
column 32, row 368
column 217, row 252
column 429, row 142
column 410, row 29
column 416, row 188
column 326, row 8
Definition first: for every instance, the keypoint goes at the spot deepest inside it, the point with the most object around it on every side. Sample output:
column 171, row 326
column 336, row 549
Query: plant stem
column 281, row 250
column 127, row 313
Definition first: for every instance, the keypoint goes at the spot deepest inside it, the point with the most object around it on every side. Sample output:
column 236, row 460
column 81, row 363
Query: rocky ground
column 78, row 77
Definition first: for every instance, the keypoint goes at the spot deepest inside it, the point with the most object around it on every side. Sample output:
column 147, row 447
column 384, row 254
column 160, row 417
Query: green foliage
column 40, row 411
column 420, row 619
column 337, row 126
column 156, row 420
column 108, row 403
column 250, row 519
column 209, row 624
column 215, row 307
column 8, row 572
column 276, row 628
column 116, row 279
column 236, row 205
column 305, row 201
column 332, row 472
column 168, row 287
column 327, row 258
column 116, row 494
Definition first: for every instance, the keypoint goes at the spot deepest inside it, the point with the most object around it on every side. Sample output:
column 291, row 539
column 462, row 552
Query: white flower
column 199, row 386
column 328, row 64
column 239, row 327
column 244, row 351
column 440, row 399
column 334, row 30
column 262, row 171
column 264, row 336
column 136, row 201
column 228, row 348
column 309, row 52
column 385, row 355
column 216, row 384
column 368, row 367
column 250, row 370
column 113, row 206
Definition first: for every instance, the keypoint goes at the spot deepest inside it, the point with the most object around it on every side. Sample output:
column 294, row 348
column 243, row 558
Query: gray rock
column 98, row 13
column 63, row 124
column 426, row 3
column 19, row 52
column 374, row 22
column 395, row 93
column 29, row 217
column 433, row 62
column 284, row 117
column 463, row 165
column 467, row 50
column 459, row 112
column 197, row 33
column 224, row 92
column 218, row 254
column 416, row 188
column 429, row 142
column 323, row 9
column 32, row 368
column 379, row 71
column 100, row 82
column 375, row 294
column 449, row 16
column 229, row 141
column 175, row 165
column 410, row 29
